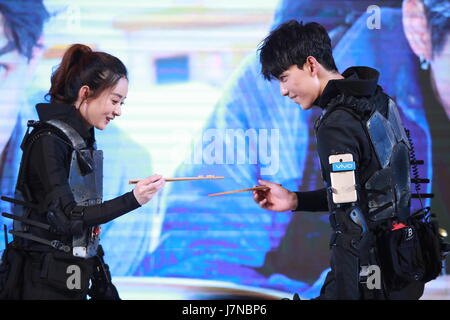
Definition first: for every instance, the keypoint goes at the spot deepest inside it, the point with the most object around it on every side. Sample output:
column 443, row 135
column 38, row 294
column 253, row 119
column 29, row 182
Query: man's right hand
column 146, row 188
column 276, row 198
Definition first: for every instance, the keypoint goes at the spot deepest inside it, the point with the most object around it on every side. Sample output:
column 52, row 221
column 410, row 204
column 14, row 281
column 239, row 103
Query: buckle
column 77, row 213
column 32, row 123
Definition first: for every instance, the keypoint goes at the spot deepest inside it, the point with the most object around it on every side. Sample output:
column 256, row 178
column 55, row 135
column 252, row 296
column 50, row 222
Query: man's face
column 300, row 85
column 13, row 80
column 440, row 66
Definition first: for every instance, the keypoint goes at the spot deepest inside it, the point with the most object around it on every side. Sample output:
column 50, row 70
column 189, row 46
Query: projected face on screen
column 427, row 28
column 14, row 68
column 440, row 65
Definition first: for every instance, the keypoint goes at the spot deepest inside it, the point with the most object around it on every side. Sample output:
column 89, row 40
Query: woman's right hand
column 276, row 198
column 146, row 188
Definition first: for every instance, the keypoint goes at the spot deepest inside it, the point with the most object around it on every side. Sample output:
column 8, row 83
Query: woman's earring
column 424, row 63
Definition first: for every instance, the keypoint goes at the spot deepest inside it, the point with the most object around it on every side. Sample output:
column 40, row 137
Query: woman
column 60, row 182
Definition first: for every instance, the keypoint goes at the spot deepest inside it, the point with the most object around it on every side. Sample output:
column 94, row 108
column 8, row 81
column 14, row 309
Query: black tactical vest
column 86, row 184
column 386, row 193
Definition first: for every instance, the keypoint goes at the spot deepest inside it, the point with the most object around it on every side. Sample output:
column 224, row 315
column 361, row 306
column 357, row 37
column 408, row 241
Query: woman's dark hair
column 291, row 43
column 81, row 66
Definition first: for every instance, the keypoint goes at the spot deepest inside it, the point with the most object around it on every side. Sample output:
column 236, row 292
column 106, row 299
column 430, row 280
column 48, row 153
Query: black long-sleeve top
column 341, row 132
column 49, row 165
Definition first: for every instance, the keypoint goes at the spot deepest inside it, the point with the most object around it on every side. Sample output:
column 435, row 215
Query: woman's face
column 99, row 111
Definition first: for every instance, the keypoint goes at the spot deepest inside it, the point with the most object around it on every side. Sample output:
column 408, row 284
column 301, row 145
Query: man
column 348, row 133
column 21, row 35
column 265, row 240
column 260, row 252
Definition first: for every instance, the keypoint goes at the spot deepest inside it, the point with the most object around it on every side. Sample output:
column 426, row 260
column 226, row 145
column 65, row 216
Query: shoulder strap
column 341, row 102
column 69, row 132
column 58, row 129
column 361, row 108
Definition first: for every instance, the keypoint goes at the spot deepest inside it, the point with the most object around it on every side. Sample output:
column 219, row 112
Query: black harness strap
column 20, row 202
column 53, row 243
column 27, row 221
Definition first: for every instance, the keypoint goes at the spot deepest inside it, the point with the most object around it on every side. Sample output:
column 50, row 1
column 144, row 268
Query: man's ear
column 312, row 65
column 416, row 28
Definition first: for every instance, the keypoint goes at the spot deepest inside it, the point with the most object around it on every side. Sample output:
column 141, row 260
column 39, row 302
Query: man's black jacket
column 342, row 132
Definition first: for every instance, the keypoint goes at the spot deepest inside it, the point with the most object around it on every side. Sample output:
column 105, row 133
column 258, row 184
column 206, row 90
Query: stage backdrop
column 197, row 105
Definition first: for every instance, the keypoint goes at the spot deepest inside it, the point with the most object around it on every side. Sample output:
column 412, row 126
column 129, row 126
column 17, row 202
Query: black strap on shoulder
column 338, row 100
column 357, row 107
column 361, row 107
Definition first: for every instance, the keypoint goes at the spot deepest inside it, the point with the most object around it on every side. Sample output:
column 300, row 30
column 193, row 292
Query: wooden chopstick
column 236, row 191
column 181, row 179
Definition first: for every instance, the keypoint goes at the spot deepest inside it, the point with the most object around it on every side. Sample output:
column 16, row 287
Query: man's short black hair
column 438, row 18
column 291, row 43
column 24, row 22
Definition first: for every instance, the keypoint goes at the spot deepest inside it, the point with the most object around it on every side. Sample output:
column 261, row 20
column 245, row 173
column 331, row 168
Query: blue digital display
column 198, row 105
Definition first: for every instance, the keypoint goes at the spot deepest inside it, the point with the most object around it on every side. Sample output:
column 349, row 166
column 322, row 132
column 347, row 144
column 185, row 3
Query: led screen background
column 197, row 105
